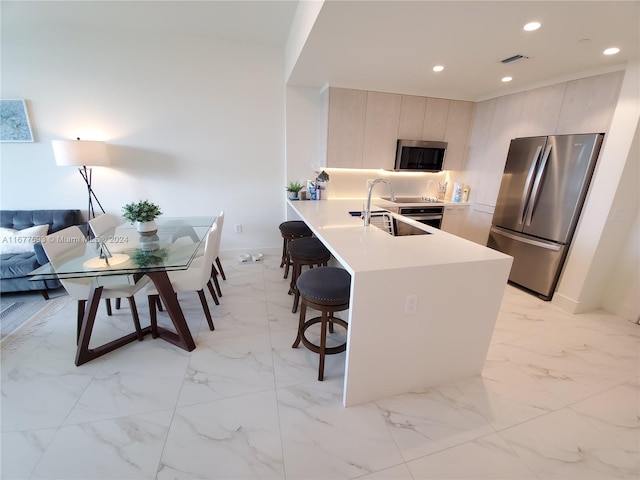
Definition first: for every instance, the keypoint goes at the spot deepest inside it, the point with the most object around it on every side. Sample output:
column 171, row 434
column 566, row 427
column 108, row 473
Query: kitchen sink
column 395, row 227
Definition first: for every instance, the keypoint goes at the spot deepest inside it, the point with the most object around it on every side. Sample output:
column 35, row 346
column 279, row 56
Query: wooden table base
column 181, row 337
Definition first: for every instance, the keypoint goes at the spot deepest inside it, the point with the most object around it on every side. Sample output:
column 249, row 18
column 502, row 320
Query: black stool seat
column 308, row 249
column 325, row 289
column 291, row 230
column 327, row 284
column 305, row 251
column 295, row 227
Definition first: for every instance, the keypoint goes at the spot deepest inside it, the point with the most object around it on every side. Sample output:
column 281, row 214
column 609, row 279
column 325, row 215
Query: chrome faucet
column 367, row 210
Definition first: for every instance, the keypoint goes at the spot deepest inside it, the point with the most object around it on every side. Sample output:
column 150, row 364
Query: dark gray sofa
column 14, row 267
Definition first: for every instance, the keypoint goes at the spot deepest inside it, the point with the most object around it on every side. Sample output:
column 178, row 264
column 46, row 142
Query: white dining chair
column 103, row 223
column 220, row 222
column 218, row 271
column 99, row 226
column 193, row 279
column 59, row 244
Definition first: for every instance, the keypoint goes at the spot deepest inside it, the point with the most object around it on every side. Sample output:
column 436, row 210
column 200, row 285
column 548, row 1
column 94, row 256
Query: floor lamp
column 81, row 153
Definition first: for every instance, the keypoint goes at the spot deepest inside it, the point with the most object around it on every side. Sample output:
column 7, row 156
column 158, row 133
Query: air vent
column 513, row 59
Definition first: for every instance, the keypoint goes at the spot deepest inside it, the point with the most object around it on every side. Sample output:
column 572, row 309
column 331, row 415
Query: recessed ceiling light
column 438, row 68
column 611, row 51
column 531, row 26
column 507, row 79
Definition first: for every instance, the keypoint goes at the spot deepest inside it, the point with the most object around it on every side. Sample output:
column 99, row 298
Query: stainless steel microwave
column 420, row 156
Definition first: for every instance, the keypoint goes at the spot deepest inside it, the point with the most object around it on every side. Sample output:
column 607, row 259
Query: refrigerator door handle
column 527, row 186
column 529, row 241
column 536, row 185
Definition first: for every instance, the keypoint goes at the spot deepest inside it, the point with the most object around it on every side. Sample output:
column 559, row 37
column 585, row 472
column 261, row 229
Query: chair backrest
column 211, row 246
column 103, row 223
column 56, row 245
column 220, row 220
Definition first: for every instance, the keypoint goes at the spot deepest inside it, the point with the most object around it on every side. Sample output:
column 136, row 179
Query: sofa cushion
column 56, row 219
column 21, row 241
column 15, row 267
column 17, row 264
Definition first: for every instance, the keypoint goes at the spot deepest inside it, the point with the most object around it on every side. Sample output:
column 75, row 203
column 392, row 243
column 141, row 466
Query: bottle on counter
column 465, row 193
column 457, row 192
column 311, row 189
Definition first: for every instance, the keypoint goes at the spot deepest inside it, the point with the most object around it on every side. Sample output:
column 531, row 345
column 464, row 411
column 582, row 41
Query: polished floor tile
column 559, row 398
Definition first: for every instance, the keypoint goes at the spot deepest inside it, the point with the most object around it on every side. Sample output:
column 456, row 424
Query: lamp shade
column 80, row 152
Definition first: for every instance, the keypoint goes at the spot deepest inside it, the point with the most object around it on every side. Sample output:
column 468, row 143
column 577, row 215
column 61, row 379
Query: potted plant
column 294, row 188
column 146, row 258
column 143, row 214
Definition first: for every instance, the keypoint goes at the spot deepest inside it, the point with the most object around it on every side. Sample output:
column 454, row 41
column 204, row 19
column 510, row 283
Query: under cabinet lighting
column 438, row 68
column 611, row 51
column 507, row 79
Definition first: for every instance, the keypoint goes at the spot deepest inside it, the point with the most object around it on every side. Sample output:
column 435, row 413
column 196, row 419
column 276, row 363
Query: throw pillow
column 21, row 241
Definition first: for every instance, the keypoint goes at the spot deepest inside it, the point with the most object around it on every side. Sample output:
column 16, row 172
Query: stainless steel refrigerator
column 543, row 188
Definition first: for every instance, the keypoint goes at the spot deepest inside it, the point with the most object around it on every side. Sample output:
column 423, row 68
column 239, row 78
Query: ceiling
column 388, row 46
column 391, row 46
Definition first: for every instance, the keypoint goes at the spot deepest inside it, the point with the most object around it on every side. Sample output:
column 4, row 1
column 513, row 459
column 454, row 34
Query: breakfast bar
column 422, row 307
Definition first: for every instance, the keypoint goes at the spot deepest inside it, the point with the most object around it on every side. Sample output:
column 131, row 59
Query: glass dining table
column 123, row 256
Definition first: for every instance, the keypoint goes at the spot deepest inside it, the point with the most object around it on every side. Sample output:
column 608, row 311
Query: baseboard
column 573, row 306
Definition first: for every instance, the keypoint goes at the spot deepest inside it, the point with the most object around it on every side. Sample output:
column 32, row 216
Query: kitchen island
column 422, row 307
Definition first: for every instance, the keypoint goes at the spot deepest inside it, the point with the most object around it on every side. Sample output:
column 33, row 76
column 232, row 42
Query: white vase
column 147, row 228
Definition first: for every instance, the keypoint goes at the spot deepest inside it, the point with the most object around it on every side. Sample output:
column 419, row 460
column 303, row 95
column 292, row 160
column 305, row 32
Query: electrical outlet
column 411, row 304
column 238, row 228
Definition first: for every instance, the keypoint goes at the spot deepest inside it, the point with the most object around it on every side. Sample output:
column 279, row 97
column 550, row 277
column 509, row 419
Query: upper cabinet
column 457, row 134
column 579, row 106
column 412, row 117
column 589, row 103
column 381, row 129
column 345, row 136
column 364, row 127
column 435, row 120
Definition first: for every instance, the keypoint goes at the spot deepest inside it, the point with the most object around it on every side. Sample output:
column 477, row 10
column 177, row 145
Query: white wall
column 305, row 124
column 192, row 123
column 609, row 212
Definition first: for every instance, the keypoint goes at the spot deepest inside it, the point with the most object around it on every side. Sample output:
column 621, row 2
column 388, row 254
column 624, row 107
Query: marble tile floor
column 559, row 398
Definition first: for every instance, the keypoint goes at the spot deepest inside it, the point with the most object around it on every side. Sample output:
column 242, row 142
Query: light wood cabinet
column 381, row 130
column 589, row 103
column 504, row 127
column 435, row 119
column 454, row 219
column 540, row 111
column 412, row 113
column 364, row 126
column 345, row 134
column 457, row 134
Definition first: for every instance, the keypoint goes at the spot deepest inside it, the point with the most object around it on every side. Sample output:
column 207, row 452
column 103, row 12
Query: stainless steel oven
column 431, row 216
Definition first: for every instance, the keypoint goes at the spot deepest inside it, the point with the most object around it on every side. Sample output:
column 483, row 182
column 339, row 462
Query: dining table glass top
column 122, row 250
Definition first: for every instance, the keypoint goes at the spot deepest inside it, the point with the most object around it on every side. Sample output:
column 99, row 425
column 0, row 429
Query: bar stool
column 325, row 289
column 289, row 231
column 305, row 251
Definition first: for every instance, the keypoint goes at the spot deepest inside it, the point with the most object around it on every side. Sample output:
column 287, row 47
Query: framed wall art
column 14, row 122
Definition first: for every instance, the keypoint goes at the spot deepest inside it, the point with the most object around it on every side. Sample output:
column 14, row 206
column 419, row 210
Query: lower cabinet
column 454, row 219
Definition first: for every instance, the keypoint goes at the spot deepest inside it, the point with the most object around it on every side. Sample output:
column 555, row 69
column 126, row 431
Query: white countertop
column 361, row 249
column 456, row 286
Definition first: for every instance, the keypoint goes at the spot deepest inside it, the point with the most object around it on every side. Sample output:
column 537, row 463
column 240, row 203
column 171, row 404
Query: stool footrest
column 316, row 348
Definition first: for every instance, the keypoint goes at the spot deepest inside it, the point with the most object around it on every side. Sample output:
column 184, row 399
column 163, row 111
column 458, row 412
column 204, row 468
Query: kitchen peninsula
column 422, row 307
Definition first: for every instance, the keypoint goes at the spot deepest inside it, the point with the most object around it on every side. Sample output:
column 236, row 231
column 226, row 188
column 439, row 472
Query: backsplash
column 352, row 183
